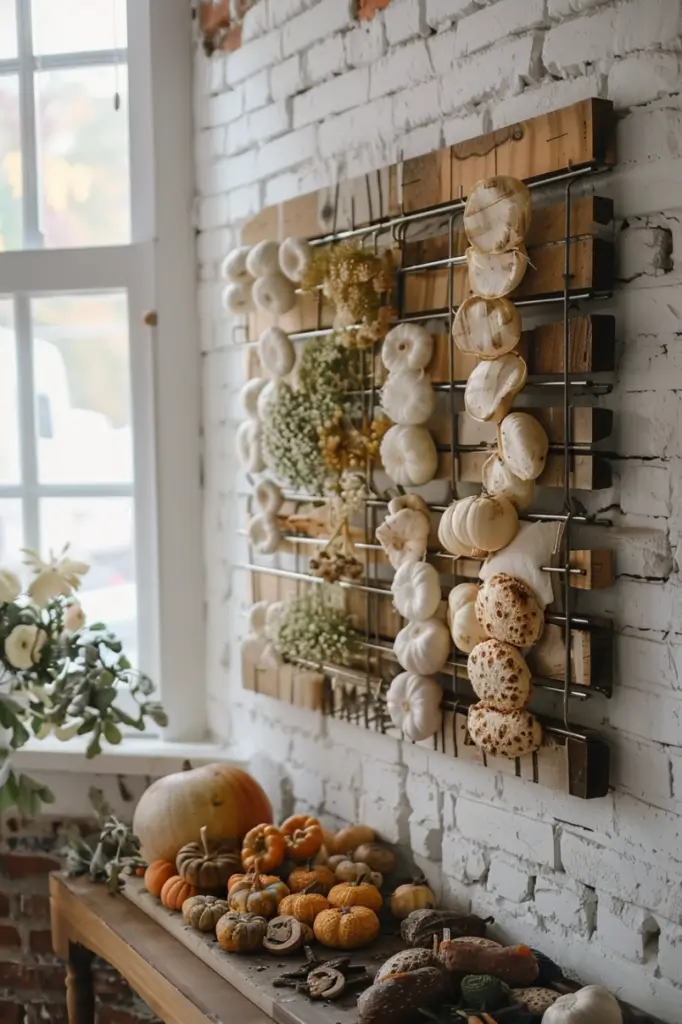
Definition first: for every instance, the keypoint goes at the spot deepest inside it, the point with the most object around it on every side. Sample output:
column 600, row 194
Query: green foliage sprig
column 114, row 853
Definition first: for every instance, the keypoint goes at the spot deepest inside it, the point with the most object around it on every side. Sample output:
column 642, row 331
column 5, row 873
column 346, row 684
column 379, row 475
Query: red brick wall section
column 31, row 977
column 368, row 8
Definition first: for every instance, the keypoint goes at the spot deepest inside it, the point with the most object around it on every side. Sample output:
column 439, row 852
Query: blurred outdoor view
column 81, row 372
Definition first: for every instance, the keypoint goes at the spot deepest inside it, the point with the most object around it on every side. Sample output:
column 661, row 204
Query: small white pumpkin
column 589, row 1005
column 494, row 275
column 264, row 534
column 504, row 733
column 497, row 214
column 263, row 258
column 249, row 396
column 423, row 647
column 237, row 299
column 532, row 548
column 233, row 267
column 294, row 258
column 404, row 536
column 479, row 523
column 492, row 386
column 268, row 497
column 409, row 455
column 523, row 445
column 408, row 397
column 487, row 328
column 349, row 871
column 508, row 610
column 249, row 448
column 276, row 351
column 498, row 480
column 407, row 347
column 416, row 591
column 274, row 294
column 410, row 897
column 499, row 675
column 413, row 702
column 465, row 628
column 413, row 501
column 252, row 647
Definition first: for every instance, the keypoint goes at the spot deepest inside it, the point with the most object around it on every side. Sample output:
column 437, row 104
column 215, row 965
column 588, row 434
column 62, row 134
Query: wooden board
column 587, row 473
column 588, row 425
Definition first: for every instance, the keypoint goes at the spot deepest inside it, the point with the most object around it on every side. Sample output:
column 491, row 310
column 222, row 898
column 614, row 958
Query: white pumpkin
column 249, row 447
column 252, row 647
column 249, row 395
column 257, row 617
column 479, row 523
column 497, row 214
column 523, row 445
column 465, row 628
column 407, row 347
column 274, row 294
column 413, row 702
column 276, row 351
column 238, row 298
column 263, row 258
column 504, row 733
column 416, row 591
column 487, row 328
column 493, row 385
column 413, row 501
column 408, row 397
column 589, row 1005
column 233, row 267
column 409, row 455
column 295, row 255
column 266, row 397
column 532, row 548
column 404, row 536
column 498, row 480
column 423, row 647
column 268, row 496
column 264, row 534
column 494, row 275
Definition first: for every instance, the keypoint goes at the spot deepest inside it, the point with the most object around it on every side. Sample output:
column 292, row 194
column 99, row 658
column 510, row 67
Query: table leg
column 80, row 992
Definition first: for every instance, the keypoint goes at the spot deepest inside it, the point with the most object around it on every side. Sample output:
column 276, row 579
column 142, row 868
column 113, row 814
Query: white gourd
column 237, row 299
column 264, row 534
column 409, row 455
column 497, row 214
column 274, row 294
column 407, row 347
column 532, row 548
column 523, row 444
column 479, row 523
column 423, row 647
column 233, row 267
column 508, row 610
column 496, row 274
column 404, row 536
column 408, row 397
column 276, row 351
column 416, row 590
column 294, row 258
column 258, row 617
column 249, row 447
column 268, row 496
column 504, row 733
column 413, row 501
column 498, row 479
column 589, row 1005
column 487, row 328
column 263, row 259
column 413, row 702
column 465, row 628
column 499, row 675
column 249, row 396
column 492, row 386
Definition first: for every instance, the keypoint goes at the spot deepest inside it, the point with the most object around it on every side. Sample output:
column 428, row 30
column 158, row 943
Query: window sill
column 135, row 756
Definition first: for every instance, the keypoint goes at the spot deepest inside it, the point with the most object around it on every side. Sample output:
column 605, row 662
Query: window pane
column 10, row 164
column 82, row 389
column 73, row 26
column 101, row 531
column 8, row 29
column 83, row 142
column 11, row 536
column 9, row 398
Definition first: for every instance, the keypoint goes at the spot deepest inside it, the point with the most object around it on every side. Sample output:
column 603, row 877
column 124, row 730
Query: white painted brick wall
column 314, row 95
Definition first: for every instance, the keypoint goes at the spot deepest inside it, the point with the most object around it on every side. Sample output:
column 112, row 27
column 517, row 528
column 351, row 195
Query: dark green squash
column 484, row 992
column 419, row 927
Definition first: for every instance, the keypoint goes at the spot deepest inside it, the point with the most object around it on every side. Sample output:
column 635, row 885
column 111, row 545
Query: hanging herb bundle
column 315, row 627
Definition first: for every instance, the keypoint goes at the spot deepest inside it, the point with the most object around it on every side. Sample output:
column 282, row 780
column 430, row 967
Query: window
column 99, row 411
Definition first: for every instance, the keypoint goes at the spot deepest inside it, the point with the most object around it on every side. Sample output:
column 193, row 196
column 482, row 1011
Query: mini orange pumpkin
column 245, row 881
column 175, row 891
column 258, row 899
column 304, row 906
column 303, row 837
column 263, row 848
column 349, row 838
column 157, row 874
column 355, row 894
column 318, row 875
column 346, row 927
column 241, row 933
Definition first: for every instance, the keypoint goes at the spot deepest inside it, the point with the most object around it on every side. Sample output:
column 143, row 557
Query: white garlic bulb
column 237, row 299
column 487, row 328
column 274, row 294
column 249, row 396
column 492, row 386
column 498, row 480
column 423, row 647
column 408, row 397
column 523, row 445
column 268, row 497
column 416, row 591
column 294, row 258
column 404, row 536
column 497, row 214
column 464, row 626
column 407, row 347
column 409, row 455
column 249, row 447
column 264, row 534
column 234, row 266
column 263, row 259
column 276, row 352
column 493, row 275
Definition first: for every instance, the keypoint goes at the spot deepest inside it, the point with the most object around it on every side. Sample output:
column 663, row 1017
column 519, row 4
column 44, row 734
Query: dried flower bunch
column 358, row 283
column 315, row 627
column 338, row 560
column 59, row 676
column 346, row 446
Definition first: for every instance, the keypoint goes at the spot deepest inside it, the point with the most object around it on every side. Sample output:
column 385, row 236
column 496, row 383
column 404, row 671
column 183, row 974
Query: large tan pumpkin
column 172, row 811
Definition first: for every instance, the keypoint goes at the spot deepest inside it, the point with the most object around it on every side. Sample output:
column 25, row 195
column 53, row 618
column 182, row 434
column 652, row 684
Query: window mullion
column 27, row 422
column 33, row 236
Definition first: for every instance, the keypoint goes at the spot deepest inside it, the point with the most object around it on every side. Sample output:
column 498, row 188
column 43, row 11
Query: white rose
column 46, row 585
column 74, row 617
column 23, row 646
column 10, row 587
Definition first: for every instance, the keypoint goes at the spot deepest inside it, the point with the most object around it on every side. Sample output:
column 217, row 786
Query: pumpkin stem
column 314, row 889
column 203, row 832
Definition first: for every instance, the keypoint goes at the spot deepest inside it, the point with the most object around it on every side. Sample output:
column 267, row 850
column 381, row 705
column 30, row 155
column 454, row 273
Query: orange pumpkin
column 346, row 927
column 318, row 875
column 356, row 894
column 157, row 874
column 304, row 906
column 220, row 796
column 175, row 891
column 263, row 848
column 244, row 881
column 258, row 899
column 303, row 837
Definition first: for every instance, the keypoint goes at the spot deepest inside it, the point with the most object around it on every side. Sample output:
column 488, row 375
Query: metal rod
column 568, row 503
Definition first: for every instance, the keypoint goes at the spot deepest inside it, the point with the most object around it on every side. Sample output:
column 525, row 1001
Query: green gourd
column 484, row 992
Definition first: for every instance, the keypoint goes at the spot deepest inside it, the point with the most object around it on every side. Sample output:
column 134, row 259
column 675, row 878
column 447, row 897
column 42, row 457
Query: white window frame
column 157, row 270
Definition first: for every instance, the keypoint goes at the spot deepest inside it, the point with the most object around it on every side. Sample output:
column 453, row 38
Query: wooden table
column 178, row 987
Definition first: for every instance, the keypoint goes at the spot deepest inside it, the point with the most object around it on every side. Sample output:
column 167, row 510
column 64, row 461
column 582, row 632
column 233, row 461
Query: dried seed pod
column 487, row 328
column 497, row 214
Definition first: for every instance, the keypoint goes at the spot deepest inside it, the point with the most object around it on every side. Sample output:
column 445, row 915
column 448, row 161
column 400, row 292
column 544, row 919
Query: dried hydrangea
column 315, row 628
